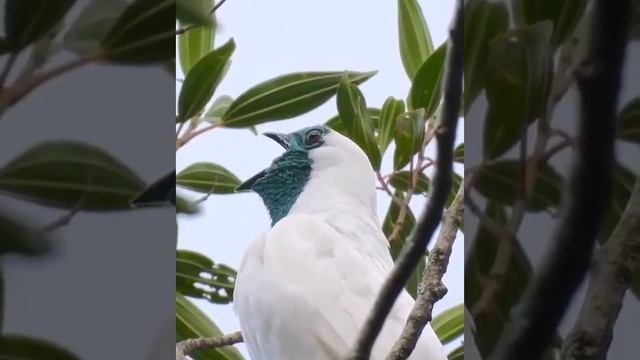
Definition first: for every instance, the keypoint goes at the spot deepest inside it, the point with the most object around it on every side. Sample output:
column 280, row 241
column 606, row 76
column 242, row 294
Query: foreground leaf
column 456, row 354
column 286, row 96
column 354, row 115
column 336, row 123
column 61, row 173
column 193, row 46
column 192, row 323
column 565, row 15
column 161, row 192
column 21, row 347
column 409, row 137
column 199, row 277
column 208, row 178
column 426, row 87
column 26, row 21
column 202, row 81
column 414, row 37
column 623, row 182
column 391, row 109
column 629, row 120
column 20, row 238
column 458, row 155
column 195, row 12
column 93, row 24
column 449, row 324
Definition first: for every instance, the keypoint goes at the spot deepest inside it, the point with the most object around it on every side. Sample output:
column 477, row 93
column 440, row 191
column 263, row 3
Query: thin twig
column 189, row 346
column 432, row 285
column 385, row 186
column 432, row 215
column 189, row 135
column 532, row 328
column 617, row 263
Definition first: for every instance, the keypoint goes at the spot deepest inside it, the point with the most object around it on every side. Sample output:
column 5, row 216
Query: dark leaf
column 458, row 155
column 624, row 180
column 426, row 87
column 199, row 277
column 144, row 33
column 629, row 120
column 161, row 192
column 402, row 181
column 355, row 117
column 26, row 21
column 456, row 181
column 286, row 96
column 414, row 38
column 565, row 15
column 65, row 174
column 194, row 12
column 21, row 347
column 500, row 182
column 20, row 238
column 93, row 25
column 449, row 324
column 208, row 178
column 483, row 20
column 409, row 137
column 457, row 353
column 4, row 46
column 202, row 80
column 519, row 77
column 391, row 109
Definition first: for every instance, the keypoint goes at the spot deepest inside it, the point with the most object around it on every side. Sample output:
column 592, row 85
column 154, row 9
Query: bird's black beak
column 282, row 139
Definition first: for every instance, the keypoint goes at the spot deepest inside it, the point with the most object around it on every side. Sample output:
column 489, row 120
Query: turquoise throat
column 283, row 182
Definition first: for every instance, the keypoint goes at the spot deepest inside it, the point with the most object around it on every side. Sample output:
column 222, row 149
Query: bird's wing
column 340, row 280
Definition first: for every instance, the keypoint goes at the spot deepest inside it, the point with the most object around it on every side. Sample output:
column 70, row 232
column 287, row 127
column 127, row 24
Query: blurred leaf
column 624, row 180
column 194, row 12
column 202, row 81
column 426, row 87
column 519, row 77
column 483, row 20
column 199, row 277
column 449, row 324
column 144, row 33
column 500, row 182
column 402, row 179
column 26, row 21
column 218, row 108
column 161, row 192
column 409, row 136
column 455, row 185
column 565, row 15
column 336, row 123
column 458, row 154
column 635, row 21
column 208, row 177
column 185, row 206
column 194, row 44
column 629, row 120
column 391, row 109
column 19, row 347
column 4, row 46
column 355, row 117
column 286, row 96
column 93, row 24
column 60, row 173
column 20, row 238
column 191, row 323
column 415, row 40
column 457, row 353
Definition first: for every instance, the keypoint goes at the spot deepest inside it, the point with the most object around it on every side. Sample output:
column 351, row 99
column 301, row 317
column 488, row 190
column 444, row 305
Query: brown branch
column 533, row 327
column 432, row 215
column 618, row 261
column 189, row 346
column 432, row 285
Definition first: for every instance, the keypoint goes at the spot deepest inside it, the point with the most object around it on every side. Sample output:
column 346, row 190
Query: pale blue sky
column 283, row 36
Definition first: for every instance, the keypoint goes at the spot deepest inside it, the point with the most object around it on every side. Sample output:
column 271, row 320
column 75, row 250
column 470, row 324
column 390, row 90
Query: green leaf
column 286, row 96
column 391, row 109
column 565, row 15
column 218, row 108
column 144, row 33
column 519, row 78
column 20, row 238
column 185, row 206
column 457, row 353
column 194, row 44
column 336, row 123
column 61, row 173
column 426, row 87
column 500, row 182
column 4, row 46
column 402, row 179
column 449, row 324
column 414, row 37
column 21, row 347
column 208, row 178
column 202, row 81
column 93, row 25
column 354, row 115
column 455, row 185
column 629, row 120
column 624, row 180
column 195, row 12
column 199, row 277
column 458, row 154
column 483, row 20
column 409, row 136
column 26, row 21
column 191, row 323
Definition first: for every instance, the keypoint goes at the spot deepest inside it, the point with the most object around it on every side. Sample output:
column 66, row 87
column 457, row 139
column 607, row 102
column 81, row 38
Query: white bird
column 306, row 286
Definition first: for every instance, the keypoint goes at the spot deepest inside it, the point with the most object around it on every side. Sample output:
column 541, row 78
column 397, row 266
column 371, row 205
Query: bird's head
column 319, row 166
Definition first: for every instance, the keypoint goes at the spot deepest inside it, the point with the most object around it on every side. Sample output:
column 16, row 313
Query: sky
column 285, row 36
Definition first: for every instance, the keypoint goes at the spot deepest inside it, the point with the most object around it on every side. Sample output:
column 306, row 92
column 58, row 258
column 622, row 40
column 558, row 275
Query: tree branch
column 186, row 347
column 618, row 261
column 432, row 285
column 598, row 78
column 432, row 215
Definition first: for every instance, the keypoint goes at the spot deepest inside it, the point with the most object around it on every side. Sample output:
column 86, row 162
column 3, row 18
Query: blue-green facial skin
column 288, row 174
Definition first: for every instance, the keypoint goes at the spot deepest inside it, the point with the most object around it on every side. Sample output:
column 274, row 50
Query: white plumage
column 305, row 287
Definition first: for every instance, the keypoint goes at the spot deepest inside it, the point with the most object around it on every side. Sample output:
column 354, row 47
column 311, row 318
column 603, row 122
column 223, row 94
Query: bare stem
column 187, row 347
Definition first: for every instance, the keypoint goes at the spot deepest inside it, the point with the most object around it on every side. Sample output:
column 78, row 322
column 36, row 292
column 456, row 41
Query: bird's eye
column 313, row 138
